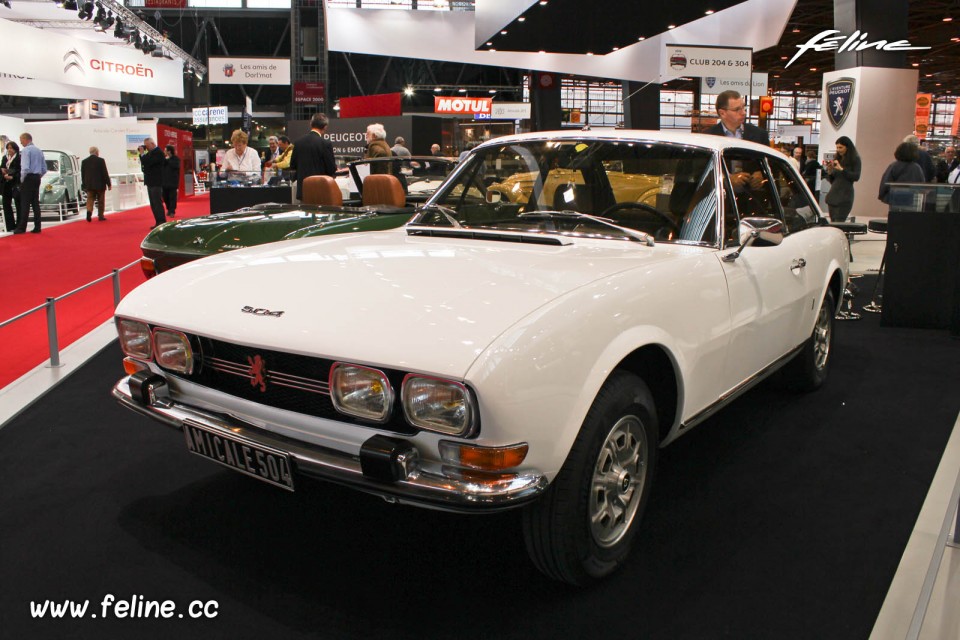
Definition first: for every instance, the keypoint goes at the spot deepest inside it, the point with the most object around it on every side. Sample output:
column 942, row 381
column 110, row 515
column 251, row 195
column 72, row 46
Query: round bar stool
column 874, row 306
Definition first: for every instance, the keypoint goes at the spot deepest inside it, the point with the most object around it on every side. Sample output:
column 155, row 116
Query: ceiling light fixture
column 708, row 12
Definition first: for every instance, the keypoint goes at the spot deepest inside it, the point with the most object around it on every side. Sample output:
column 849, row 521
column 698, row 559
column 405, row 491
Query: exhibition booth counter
column 922, row 260
column 232, row 190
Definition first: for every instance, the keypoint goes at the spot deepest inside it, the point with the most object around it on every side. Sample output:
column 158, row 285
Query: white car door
column 769, row 287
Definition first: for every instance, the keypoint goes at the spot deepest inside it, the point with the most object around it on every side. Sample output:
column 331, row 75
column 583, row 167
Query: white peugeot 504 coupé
column 565, row 304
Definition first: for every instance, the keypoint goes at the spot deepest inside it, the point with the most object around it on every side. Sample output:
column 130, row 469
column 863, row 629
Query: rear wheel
column 584, row 525
column 808, row 370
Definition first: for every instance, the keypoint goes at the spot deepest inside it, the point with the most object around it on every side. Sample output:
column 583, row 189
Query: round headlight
column 173, row 350
column 438, row 405
column 135, row 339
column 361, row 392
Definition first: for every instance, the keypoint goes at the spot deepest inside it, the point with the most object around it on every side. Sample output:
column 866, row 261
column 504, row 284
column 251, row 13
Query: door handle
column 799, row 263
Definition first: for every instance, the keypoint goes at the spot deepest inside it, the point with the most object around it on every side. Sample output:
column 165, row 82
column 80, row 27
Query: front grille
column 283, row 380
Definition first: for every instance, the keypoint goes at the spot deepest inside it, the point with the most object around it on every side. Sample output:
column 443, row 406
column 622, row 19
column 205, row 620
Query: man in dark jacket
column 732, row 114
column 170, row 179
column 95, row 180
column 313, row 154
column 152, row 161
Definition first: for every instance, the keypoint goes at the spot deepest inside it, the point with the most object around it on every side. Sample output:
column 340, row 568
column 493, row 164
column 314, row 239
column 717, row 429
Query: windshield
column 665, row 190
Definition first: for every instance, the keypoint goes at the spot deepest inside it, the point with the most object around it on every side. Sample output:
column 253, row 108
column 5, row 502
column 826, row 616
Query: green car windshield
column 583, row 187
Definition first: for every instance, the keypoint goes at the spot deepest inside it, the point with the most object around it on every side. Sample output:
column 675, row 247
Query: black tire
column 808, row 370
column 562, row 540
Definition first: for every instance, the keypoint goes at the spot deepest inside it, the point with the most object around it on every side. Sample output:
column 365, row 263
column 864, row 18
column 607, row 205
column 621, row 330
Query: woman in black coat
column 842, row 172
column 10, row 189
column 904, row 168
column 170, row 179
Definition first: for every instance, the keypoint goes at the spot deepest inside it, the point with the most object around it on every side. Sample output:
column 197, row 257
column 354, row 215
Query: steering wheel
column 623, row 206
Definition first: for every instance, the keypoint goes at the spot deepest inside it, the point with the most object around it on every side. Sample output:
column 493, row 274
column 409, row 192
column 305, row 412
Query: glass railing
column 252, row 179
column 924, row 197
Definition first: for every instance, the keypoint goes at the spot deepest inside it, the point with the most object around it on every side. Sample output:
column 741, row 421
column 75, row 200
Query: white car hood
column 415, row 303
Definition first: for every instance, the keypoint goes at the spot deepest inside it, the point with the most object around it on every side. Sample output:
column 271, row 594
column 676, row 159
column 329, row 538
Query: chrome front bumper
column 420, row 482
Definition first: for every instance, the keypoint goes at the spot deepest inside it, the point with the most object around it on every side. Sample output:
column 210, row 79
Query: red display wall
column 182, row 141
column 381, row 104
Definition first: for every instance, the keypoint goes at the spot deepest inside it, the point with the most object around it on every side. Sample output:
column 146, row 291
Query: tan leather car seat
column 322, row 190
column 383, row 189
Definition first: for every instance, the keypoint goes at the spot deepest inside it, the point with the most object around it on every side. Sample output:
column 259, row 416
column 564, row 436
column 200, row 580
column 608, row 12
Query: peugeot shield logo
column 71, row 59
column 839, row 99
column 710, row 82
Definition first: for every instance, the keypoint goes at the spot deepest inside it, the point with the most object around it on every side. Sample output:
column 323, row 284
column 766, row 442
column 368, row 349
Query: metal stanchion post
column 116, row 288
column 954, row 540
column 52, row 333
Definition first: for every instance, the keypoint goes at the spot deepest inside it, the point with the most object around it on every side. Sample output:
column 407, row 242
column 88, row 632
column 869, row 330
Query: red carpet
column 34, row 267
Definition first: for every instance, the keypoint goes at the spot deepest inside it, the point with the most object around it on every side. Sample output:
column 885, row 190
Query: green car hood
column 250, row 227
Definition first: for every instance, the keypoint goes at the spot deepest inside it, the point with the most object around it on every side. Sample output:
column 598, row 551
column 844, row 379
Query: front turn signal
column 483, row 458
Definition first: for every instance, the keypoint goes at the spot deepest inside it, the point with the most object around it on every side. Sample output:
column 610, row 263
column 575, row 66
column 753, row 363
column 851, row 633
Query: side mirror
column 769, row 231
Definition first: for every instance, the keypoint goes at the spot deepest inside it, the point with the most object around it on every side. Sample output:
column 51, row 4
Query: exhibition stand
column 921, row 286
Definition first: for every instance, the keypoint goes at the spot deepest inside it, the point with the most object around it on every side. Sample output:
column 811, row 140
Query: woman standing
column 10, row 187
column 842, row 172
column 904, row 168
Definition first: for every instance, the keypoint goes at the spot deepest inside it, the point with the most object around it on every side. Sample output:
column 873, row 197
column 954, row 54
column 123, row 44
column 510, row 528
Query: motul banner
column 54, row 57
column 462, row 106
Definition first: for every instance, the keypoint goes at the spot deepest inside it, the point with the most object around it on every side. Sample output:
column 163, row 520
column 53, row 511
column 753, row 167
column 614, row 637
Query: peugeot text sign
column 53, row 57
column 839, row 100
column 249, row 70
column 462, row 106
column 730, row 63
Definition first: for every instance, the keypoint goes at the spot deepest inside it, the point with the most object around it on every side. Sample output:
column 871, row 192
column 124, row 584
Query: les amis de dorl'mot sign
column 249, row 70
column 52, row 57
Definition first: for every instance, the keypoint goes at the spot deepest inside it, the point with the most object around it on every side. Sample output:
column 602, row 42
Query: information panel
column 732, row 63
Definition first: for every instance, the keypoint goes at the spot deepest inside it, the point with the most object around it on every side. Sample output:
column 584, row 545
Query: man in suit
column 152, row 161
column 95, row 180
column 732, row 113
column 313, row 154
column 947, row 164
column 170, row 179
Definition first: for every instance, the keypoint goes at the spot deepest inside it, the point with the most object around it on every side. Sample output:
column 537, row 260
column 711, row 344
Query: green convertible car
column 181, row 241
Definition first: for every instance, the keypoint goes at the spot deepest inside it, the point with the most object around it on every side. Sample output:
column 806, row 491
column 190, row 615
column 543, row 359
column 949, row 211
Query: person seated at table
column 240, row 157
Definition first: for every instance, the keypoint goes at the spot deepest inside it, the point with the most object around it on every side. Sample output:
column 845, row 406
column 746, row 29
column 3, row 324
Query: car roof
column 706, row 141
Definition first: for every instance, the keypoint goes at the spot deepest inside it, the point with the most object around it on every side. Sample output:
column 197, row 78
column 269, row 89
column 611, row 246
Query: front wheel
column 808, row 370
column 583, row 526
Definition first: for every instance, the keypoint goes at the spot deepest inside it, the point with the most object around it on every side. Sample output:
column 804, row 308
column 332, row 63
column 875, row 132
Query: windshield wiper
column 447, row 212
column 633, row 234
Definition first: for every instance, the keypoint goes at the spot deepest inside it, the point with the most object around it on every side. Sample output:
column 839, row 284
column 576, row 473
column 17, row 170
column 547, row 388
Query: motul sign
column 462, row 105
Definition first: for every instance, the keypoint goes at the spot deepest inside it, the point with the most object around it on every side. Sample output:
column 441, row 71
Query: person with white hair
column 377, row 147
column 272, row 152
column 399, row 147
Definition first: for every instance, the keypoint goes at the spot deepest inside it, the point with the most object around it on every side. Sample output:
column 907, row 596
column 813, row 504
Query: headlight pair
column 170, row 349
column 431, row 404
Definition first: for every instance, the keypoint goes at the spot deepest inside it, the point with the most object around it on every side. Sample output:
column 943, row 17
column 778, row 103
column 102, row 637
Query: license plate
column 265, row 464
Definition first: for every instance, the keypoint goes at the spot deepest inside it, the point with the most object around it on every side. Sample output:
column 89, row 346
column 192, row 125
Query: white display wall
column 116, row 138
column 11, row 127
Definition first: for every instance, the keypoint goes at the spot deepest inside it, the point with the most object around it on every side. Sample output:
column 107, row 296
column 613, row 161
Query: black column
column 880, row 20
column 641, row 105
column 545, row 101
